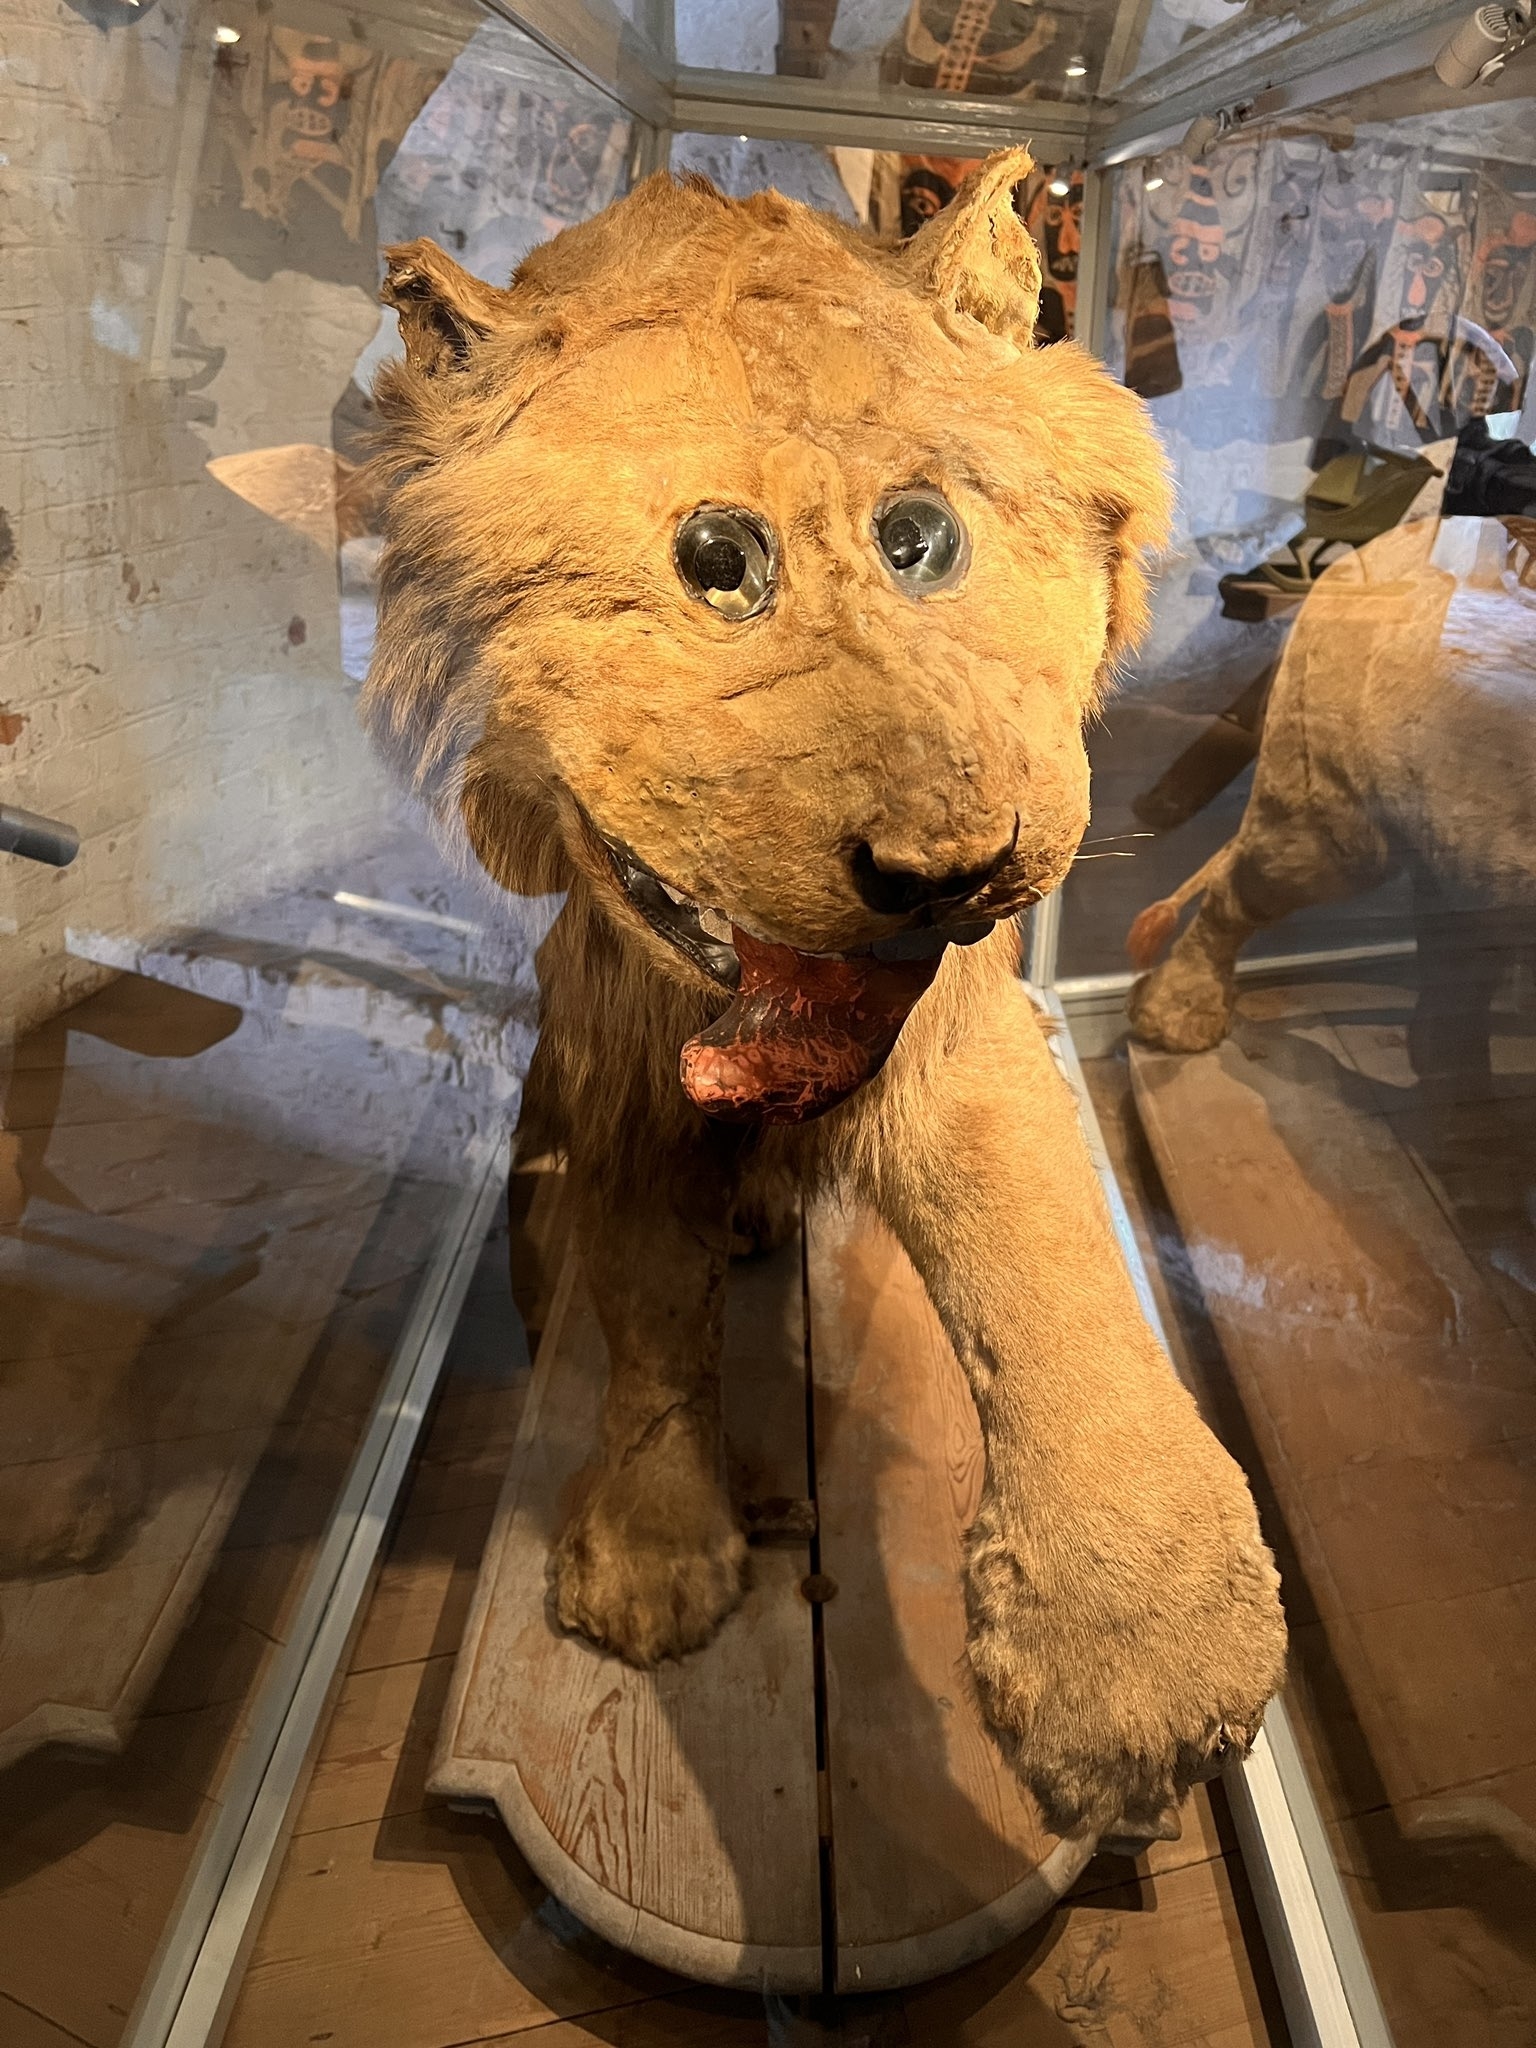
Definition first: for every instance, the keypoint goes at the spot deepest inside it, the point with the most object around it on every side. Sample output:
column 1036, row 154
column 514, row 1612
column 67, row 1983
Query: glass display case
column 265, row 1040
column 1008, row 51
column 1319, row 767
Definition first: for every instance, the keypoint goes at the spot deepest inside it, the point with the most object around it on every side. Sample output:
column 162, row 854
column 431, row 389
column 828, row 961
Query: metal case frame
column 1344, row 47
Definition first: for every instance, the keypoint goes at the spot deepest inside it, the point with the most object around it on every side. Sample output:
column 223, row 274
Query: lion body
column 554, row 690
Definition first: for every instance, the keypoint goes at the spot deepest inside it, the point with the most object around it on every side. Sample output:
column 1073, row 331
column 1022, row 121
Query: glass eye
column 728, row 560
column 923, row 543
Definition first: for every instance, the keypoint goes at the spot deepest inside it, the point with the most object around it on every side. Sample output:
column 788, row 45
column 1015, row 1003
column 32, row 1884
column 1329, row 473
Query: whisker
column 1109, row 838
column 1102, row 856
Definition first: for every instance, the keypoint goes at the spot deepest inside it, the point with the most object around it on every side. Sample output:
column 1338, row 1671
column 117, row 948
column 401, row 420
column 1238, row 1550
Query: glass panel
column 1161, row 46
column 1327, row 745
column 252, row 1028
column 1172, row 26
column 1008, row 49
column 838, row 181
column 1266, row 305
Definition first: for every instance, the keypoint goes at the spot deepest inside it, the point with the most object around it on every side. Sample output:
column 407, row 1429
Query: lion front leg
column 653, row 1559
column 1279, row 863
column 1125, row 1625
column 1186, row 1004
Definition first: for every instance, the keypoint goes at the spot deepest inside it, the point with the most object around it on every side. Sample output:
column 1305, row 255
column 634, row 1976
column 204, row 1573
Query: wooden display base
column 812, row 1802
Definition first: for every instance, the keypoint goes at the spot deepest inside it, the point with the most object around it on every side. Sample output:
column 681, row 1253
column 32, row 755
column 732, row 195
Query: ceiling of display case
column 1089, row 58
column 1500, row 126
column 1002, row 49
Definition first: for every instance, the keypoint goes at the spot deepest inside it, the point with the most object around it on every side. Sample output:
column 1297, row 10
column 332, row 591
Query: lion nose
column 895, row 886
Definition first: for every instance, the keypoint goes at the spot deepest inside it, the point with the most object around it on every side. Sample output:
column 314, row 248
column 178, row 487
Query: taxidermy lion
column 751, row 583
column 1399, row 738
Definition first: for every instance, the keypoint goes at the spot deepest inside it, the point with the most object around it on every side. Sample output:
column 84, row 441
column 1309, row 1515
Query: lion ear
column 977, row 257
column 443, row 310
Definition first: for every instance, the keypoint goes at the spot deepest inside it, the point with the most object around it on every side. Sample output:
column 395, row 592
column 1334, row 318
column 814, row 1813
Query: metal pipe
column 33, row 837
column 1082, row 988
column 1268, row 92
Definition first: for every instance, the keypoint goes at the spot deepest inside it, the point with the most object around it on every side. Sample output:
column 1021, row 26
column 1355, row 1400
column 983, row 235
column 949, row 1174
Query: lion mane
column 683, row 312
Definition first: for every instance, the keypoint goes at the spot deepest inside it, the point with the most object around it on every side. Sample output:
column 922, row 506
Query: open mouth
column 700, row 933
column 805, row 1029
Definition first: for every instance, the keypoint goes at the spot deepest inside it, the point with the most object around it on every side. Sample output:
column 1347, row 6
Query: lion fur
column 539, row 665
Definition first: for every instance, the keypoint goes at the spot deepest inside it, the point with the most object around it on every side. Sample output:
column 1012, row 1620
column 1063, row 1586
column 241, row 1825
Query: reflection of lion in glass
column 1400, row 737
column 751, row 583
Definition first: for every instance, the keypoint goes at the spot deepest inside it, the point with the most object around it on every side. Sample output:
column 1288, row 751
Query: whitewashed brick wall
column 171, row 679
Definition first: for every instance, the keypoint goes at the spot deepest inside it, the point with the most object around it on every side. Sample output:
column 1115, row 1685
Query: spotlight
column 1077, row 68
column 1206, row 130
column 1061, row 184
column 1483, row 45
column 1151, row 177
column 226, row 35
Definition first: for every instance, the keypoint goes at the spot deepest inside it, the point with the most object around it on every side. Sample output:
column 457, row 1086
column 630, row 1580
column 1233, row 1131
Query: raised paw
column 653, row 1560
column 1121, row 1678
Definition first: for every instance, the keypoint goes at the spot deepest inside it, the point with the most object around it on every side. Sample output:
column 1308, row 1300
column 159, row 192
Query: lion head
column 761, row 578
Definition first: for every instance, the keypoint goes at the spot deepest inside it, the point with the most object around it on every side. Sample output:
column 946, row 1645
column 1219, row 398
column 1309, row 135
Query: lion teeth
column 677, row 895
column 716, row 924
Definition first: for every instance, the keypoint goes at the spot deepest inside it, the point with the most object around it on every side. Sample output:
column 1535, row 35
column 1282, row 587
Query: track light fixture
column 1484, row 44
column 1061, row 181
column 1206, row 130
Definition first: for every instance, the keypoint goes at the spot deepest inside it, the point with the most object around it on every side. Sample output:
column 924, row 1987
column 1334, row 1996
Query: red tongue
column 802, row 1034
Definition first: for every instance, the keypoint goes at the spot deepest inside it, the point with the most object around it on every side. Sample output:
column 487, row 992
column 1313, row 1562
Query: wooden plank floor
column 1366, row 1260
column 212, row 1225
column 398, row 1920
column 161, row 1292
